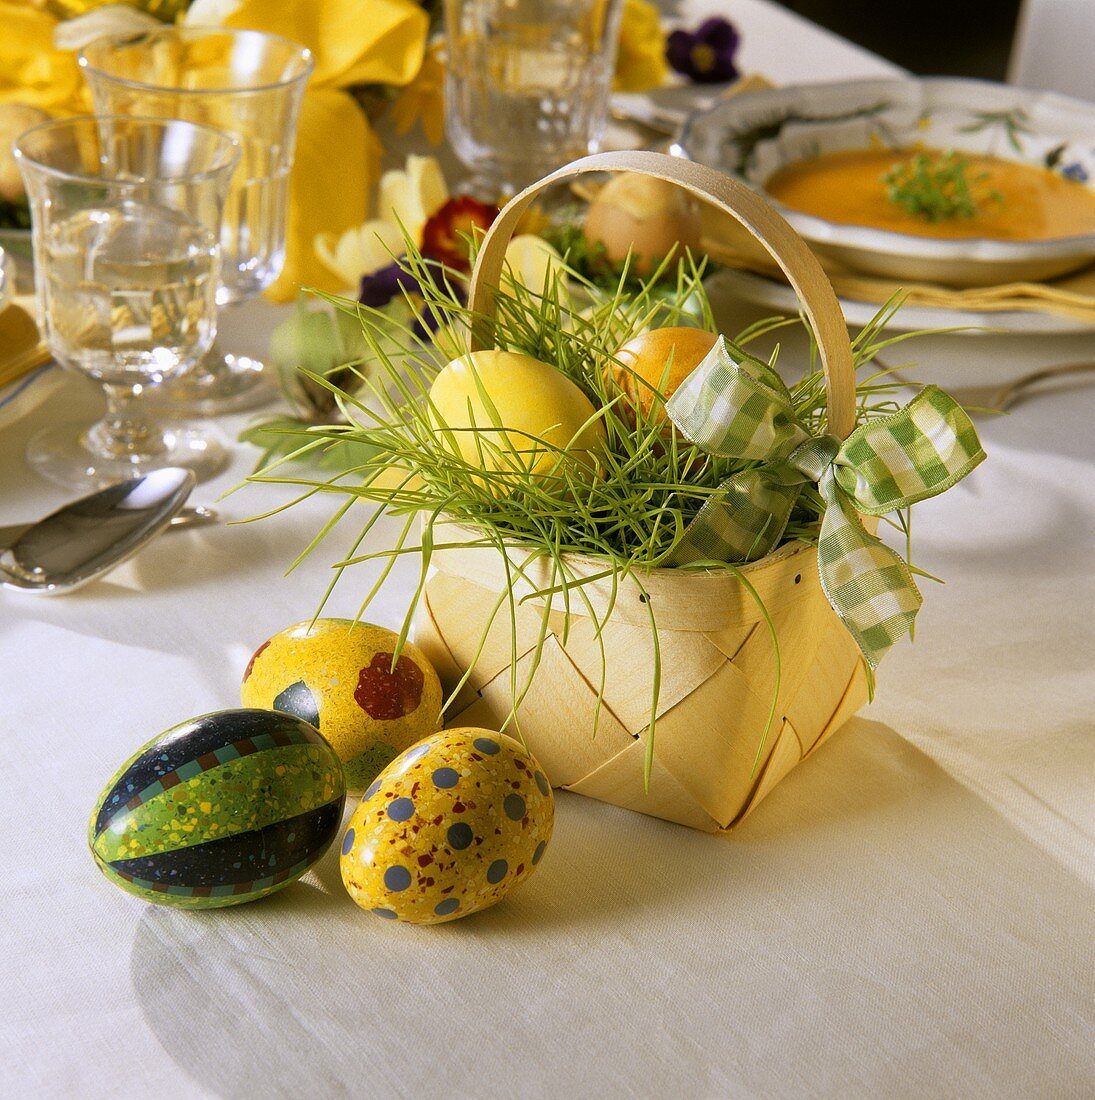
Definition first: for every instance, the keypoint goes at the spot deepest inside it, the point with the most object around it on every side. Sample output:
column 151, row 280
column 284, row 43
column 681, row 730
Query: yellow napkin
column 20, row 348
column 1067, row 296
column 32, row 70
column 337, row 154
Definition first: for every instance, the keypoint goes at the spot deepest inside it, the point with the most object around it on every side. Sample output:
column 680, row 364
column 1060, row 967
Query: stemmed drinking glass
column 126, row 217
column 526, row 85
column 249, row 84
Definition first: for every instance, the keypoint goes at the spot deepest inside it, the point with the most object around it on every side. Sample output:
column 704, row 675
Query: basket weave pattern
column 717, row 681
column 719, row 671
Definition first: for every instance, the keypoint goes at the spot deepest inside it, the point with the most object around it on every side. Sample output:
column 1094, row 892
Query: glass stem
column 124, row 432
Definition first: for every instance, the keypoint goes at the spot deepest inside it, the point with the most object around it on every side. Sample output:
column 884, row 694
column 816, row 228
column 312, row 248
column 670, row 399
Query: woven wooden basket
column 718, row 668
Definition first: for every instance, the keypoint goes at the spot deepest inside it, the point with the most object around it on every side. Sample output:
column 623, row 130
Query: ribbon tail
column 743, row 521
column 868, row 585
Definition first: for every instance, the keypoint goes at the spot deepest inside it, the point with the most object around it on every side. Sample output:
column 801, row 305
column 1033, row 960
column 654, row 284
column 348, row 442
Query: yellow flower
column 337, row 152
column 165, row 10
column 640, row 57
column 407, row 200
column 108, row 20
column 424, row 98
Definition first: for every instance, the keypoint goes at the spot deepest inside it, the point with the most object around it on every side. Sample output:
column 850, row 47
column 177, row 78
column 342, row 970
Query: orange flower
column 446, row 236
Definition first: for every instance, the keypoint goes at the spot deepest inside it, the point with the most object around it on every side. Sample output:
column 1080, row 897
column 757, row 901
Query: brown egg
column 649, row 217
column 658, row 362
column 14, row 119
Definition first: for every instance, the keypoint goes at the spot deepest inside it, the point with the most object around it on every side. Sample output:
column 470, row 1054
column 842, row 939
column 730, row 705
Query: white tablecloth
column 910, row 913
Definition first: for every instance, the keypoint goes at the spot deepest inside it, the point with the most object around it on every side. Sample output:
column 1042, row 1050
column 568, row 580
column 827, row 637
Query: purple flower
column 1075, row 172
column 391, row 282
column 379, row 288
column 705, row 55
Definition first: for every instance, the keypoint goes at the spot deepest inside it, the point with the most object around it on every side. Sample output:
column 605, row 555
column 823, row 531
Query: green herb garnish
column 938, row 188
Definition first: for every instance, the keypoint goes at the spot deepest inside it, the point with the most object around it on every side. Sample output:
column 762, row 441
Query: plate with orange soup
column 958, row 182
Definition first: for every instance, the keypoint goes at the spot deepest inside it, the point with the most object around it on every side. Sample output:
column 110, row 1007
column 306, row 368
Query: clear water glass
column 126, row 217
column 249, row 84
column 527, row 85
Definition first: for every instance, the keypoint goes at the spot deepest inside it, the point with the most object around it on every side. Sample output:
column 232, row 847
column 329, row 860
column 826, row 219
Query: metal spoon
column 85, row 539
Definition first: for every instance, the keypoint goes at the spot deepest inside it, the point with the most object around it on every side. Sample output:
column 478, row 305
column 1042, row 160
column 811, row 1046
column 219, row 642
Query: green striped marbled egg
column 219, row 810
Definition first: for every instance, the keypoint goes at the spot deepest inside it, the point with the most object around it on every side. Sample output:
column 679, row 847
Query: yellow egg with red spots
column 653, row 365
column 649, row 218
column 448, row 828
column 339, row 676
column 502, row 412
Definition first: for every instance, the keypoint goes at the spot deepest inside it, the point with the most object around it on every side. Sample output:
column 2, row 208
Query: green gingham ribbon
column 744, row 411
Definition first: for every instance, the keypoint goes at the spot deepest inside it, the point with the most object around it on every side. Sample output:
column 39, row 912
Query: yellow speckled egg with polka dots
column 339, row 676
column 448, row 828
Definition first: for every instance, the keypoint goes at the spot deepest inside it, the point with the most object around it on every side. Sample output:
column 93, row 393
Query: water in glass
column 129, row 291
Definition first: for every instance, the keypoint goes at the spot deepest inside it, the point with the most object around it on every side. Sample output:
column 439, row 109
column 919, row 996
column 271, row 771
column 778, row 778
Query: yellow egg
column 537, row 410
column 338, row 676
column 532, row 263
column 658, row 362
column 448, row 828
column 649, row 217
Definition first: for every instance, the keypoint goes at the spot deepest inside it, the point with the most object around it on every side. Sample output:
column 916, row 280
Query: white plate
column 753, row 135
column 24, row 395
column 758, row 290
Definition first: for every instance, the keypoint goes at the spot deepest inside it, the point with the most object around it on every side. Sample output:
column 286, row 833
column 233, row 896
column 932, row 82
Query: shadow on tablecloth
column 874, row 928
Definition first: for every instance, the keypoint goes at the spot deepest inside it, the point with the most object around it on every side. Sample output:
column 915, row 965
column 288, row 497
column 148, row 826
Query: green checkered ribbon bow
column 744, row 411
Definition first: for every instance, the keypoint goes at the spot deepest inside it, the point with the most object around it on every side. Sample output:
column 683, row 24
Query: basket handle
column 786, row 247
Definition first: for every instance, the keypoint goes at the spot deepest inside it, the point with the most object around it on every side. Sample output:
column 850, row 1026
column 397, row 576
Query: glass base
column 497, row 190
column 489, row 188
column 65, row 454
column 220, row 383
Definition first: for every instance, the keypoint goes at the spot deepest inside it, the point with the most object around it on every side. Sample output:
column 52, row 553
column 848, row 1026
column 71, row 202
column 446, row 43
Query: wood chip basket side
column 718, row 668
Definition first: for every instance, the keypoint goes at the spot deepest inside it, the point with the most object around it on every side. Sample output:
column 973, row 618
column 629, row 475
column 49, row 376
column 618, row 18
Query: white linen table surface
column 909, row 914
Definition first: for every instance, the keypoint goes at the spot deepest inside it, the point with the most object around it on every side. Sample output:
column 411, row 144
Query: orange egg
column 648, row 217
column 657, row 362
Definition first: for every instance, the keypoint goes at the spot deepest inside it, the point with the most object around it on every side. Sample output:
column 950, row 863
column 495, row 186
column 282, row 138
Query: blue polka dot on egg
column 497, row 871
column 387, row 914
column 459, row 835
column 397, row 878
column 514, row 806
column 444, row 908
column 542, row 783
column 444, row 778
column 401, row 809
column 485, row 744
column 347, row 842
